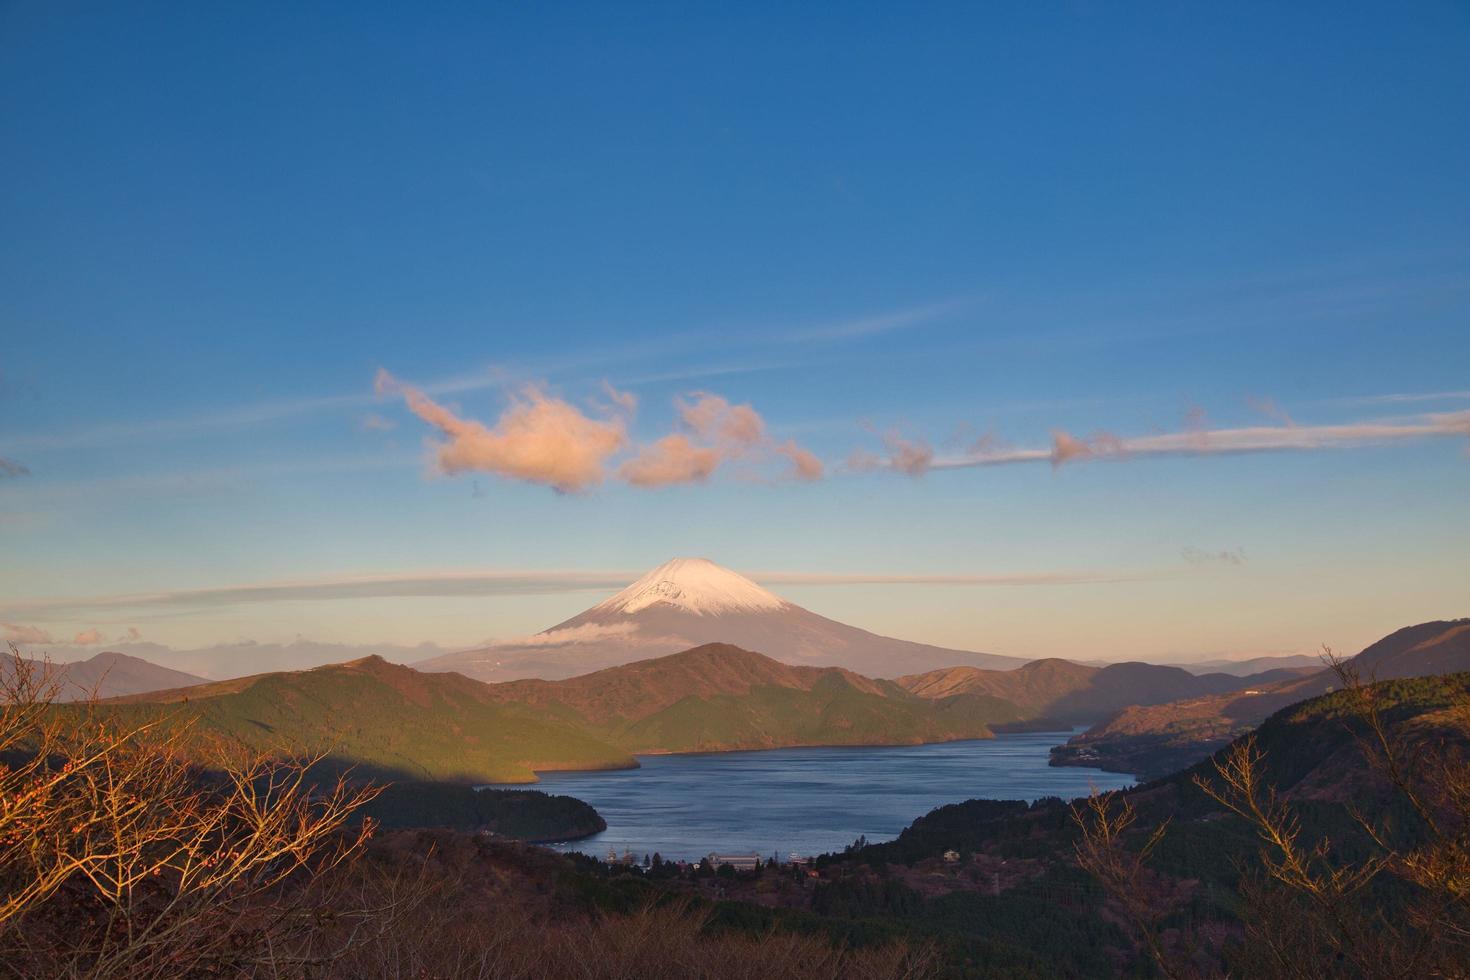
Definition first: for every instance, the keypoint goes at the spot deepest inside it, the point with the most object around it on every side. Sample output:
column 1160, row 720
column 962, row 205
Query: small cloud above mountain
column 21, row 633
column 1225, row 556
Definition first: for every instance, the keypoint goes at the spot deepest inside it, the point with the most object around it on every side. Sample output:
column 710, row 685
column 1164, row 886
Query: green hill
column 389, row 722
column 397, row 723
column 718, row 697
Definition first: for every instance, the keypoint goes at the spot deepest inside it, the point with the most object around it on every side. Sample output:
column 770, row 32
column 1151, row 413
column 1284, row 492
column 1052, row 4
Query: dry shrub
column 485, row 911
column 140, row 850
column 1380, row 910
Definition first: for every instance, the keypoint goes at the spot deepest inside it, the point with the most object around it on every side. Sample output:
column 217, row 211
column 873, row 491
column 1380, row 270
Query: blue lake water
column 809, row 800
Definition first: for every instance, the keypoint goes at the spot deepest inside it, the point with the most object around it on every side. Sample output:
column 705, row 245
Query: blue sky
column 886, row 229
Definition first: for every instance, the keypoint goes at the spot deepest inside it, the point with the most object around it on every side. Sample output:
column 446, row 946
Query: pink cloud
column 543, row 439
column 804, row 464
column 88, row 638
column 372, row 422
column 671, row 460
column 538, row 438
column 904, row 455
column 384, row 383
column 1269, row 408
column 715, row 420
column 1065, row 447
column 717, row 432
column 625, row 401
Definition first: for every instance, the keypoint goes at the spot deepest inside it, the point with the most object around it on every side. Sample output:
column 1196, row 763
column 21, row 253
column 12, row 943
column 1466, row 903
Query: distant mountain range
column 396, row 722
column 1071, row 693
column 1251, row 665
column 1154, row 738
column 105, row 675
column 239, row 658
column 691, row 601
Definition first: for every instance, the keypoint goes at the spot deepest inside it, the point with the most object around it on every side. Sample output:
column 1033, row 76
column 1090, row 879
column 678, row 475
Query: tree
column 144, row 849
column 1391, row 902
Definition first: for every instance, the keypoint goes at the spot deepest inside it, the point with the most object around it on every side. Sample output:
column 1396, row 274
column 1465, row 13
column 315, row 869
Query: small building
column 740, row 862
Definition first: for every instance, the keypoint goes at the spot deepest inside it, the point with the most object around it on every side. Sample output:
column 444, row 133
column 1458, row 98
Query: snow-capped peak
column 695, row 585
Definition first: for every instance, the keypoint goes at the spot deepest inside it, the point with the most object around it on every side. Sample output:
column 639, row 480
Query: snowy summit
column 695, row 585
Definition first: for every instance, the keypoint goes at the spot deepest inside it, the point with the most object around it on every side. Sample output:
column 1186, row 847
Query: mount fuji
column 688, row 602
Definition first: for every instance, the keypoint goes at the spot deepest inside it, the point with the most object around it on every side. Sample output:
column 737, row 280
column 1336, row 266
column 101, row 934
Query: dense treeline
column 528, row 815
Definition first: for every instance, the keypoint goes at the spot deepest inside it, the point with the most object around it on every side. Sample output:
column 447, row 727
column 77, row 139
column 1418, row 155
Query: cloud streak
column 1225, row 556
column 470, row 584
column 1067, row 448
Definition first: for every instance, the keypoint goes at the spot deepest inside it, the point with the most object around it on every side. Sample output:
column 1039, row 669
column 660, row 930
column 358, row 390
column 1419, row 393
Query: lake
column 809, row 800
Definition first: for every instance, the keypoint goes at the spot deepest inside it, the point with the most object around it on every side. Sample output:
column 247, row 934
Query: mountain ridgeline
column 106, row 675
column 395, row 722
column 1152, row 739
column 1065, row 693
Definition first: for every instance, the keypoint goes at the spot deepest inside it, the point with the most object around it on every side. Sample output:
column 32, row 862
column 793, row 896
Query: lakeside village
column 712, row 863
column 821, row 882
column 719, row 864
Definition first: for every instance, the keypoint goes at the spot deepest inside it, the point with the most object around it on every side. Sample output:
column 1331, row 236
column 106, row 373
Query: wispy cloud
column 87, row 638
column 203, row 479
column 21, row 633
column 1402, row 398
column 871, row 326
column 454, row 584
column 186, row 424
column 1269, row 408
column 1224, row 556
column 1067, row 448
column 585, row 633
column 373, row 422
column 11, row 468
